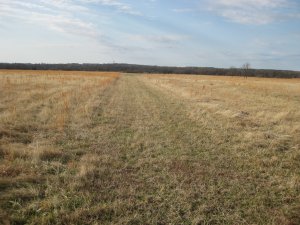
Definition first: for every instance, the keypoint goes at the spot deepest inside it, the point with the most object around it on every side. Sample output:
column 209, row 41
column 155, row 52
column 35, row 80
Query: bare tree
column 246, row 69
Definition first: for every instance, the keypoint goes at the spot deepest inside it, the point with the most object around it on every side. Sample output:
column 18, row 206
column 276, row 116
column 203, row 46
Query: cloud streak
column 56, row 15
column 65, row 16
column 121, row 7
column 258, row 12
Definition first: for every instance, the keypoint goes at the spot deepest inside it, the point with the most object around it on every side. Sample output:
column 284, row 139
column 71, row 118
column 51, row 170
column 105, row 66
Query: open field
column 108, row 148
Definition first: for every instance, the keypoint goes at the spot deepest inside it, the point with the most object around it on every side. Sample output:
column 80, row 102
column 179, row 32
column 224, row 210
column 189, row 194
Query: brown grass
column 100, row 148
column 39, row 112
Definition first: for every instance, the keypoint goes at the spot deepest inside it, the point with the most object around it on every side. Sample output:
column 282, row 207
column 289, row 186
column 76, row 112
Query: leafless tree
column 246, row 69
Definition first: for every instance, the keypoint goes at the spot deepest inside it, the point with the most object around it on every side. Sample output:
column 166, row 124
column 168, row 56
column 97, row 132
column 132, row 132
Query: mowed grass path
column 146, row 160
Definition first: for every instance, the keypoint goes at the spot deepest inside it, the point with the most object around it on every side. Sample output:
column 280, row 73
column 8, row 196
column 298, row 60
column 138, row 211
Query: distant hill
column 132, row 68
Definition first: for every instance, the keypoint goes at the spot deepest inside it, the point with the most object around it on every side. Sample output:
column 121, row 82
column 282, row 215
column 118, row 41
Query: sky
column 213, row 33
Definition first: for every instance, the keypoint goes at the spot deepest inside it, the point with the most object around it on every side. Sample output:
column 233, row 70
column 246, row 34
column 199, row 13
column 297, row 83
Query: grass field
column 109, row 148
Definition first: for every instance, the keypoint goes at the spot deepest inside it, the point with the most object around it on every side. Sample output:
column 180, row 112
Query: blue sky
column 219, row 33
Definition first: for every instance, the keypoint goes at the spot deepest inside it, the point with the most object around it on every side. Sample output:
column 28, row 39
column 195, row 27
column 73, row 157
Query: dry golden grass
column 271, row 104
column 39, row 112
column 257, row 123
column 100, row 148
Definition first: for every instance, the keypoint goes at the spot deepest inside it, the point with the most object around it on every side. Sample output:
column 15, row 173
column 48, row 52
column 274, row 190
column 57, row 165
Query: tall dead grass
column 259, row 104
column 39, row 113
column 256, row 124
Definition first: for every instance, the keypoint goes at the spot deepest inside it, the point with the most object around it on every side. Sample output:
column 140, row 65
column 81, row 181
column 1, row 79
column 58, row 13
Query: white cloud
column 161, row 39
column 66, row 5
column 183, row 10
column 250, row 11
column 122, row 7
column 251, row 3
column 59, row 15
column 65, row 16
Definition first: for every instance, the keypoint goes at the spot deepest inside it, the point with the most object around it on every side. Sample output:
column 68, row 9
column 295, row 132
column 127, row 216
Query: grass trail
column 158, row 166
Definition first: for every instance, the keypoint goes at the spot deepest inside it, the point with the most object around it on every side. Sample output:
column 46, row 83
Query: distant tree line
column 245, row 70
